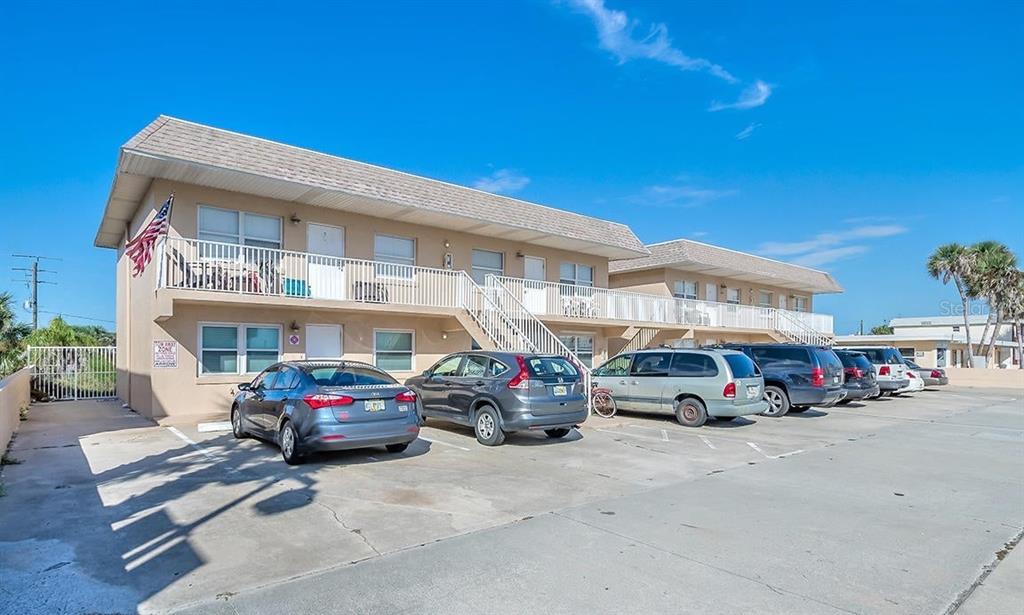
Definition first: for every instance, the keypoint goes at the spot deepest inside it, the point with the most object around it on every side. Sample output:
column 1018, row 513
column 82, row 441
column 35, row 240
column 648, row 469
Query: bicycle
column 602, row 402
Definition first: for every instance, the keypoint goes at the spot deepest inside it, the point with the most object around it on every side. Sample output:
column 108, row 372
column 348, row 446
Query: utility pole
column 861, row 327
column 34, row 281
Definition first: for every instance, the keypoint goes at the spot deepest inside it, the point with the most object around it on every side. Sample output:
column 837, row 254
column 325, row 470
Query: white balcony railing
column 590, row 303
column 249, row 270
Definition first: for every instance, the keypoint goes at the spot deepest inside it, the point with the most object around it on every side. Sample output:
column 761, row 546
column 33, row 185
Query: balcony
column 290, row 277
column 554, row 300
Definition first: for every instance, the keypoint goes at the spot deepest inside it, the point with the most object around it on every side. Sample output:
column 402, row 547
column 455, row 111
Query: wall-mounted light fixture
column 447, row 244
column 519, row 254
column 444, row 335
column 295, row 219
column 294, row 327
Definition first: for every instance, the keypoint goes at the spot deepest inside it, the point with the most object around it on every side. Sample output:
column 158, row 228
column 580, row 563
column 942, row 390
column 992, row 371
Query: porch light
column 295, row 219
column 294, row 327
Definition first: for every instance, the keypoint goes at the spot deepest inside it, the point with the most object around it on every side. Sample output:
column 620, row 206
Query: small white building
column 941, row 341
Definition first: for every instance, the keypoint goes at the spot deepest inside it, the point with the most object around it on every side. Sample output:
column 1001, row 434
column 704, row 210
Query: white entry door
column 534, row 288
column 323, row 342
column 326, row 247
column 782, row 302
column 711, row 292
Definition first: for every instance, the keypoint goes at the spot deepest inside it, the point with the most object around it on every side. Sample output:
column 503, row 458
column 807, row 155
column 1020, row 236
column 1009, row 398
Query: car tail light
column 729, row 390
column 883, row 371
column 854, row 372
column 406, row 397
column 522, row 379
column 936, row 373
column 322, row 400
column 817, row 377
column 911, row 375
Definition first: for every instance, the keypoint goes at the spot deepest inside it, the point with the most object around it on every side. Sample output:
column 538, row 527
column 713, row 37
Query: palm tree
column 993, row 269
column 12, row 335
column 953, row 261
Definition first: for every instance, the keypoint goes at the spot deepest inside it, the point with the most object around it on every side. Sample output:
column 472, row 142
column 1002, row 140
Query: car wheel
column 397, row 448
column 691, row 412
column 288, row 440
column 799, row 408
column 236, row 423
column 778, row 401
column 560, row 432
column 487, row 427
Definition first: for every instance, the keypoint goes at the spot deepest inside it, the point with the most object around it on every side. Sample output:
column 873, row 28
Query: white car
column 916, row 383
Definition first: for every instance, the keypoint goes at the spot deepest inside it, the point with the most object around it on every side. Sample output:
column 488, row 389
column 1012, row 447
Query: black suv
column 796, row 376
column 860, row 376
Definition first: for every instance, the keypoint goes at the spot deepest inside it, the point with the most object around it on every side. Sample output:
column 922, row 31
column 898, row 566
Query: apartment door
column 326, row 276
column 324, row 342
column 534, row 288
column 711, row 292
column 782, row 302
column 714, row 311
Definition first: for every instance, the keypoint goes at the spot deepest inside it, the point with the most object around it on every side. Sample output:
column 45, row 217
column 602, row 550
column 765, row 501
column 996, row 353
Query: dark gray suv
column 501, row 392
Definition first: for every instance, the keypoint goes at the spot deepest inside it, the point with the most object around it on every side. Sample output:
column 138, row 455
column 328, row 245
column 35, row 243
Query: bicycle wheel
column 604, row 405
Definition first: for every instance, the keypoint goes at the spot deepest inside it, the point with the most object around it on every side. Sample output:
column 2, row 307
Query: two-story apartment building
column 277, row 252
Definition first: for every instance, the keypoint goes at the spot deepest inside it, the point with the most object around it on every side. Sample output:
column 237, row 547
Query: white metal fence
column 74, row 372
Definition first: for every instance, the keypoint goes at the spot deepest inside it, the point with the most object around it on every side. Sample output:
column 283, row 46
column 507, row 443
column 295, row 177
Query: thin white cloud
column 824, row 257
column 828, row 240
column 502, row 181
column 754, row 95
column 746, row 132
column 680, row 195
column 698, row 234
column 616, row 33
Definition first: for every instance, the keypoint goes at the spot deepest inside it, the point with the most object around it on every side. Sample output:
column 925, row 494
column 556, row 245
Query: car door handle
column 479, row 383
column 622, row 382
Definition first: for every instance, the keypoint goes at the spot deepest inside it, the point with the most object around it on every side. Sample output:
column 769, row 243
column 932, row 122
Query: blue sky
column 851, row 137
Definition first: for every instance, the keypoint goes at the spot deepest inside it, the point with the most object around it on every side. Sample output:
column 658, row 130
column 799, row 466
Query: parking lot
column 894, row 505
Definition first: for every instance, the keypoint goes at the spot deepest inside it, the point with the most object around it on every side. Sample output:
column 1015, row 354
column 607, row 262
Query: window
column 770, row 355
column 392, row 350
column 685, row 290
column 448, row 366
column 475, row 366
column 732, row 295
column 239, row 227
column 265, row 380
column 487, row 263
column 287, row 378
column 551, row 366
column 908, row 352
column 764, row 298
column 238, row 349
column 582, row 346
column 576, row 274
column 617, row 366
column 800, row 303
column 741, row 366
column 350, row 376
column 694, row 365
column 497, row 368
column 652, row 364
column 399, row 252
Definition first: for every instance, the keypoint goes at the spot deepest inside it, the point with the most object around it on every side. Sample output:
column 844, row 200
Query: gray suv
column 690, row 384
column 501, row 392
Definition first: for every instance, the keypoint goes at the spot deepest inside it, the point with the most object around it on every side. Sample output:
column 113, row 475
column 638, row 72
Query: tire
column 778, row 401
column 604, row 405
column 288, row 441
column 397, row 448
column 799, row 409
column 560, row 432
column 236, row 424
column 726, row 419
column 691, row 412
column 487, row 426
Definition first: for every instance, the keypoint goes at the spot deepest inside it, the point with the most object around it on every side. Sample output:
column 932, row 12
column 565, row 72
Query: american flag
column 140, row 249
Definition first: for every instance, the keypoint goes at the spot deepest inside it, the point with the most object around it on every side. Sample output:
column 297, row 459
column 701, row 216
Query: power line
column 34, row 281
column 77, row 316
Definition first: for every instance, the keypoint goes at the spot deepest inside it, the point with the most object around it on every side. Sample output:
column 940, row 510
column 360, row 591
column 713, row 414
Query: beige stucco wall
column 662, row 282
column 15, row 395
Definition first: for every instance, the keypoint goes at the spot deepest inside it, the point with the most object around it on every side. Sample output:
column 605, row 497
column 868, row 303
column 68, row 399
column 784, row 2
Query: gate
column 74, row 372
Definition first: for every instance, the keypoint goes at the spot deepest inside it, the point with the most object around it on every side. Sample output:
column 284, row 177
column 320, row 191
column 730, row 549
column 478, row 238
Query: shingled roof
column 712, row 260
column 178, row 150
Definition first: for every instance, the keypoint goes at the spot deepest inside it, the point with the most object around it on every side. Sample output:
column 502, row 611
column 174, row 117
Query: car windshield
column 828, row 359
column 741, row 366
column 883, row 355
column 862, row 362
column 551, row 366
column 912, row 365
column 349, row 376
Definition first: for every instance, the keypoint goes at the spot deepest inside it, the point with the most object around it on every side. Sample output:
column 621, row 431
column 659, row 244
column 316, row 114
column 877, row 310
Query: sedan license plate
column 374, row 405
column 560, row 390
column 752, row 390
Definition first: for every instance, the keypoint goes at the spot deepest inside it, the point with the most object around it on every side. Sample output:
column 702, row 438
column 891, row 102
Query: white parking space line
column 767, row 456
column 442, row 442
column 708, row 442
column 192, row 443
column 758, row 449
column 664, row 435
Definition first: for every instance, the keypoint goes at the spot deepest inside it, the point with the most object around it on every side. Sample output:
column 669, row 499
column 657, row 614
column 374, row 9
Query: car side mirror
column 426, row 374
column 245, row 386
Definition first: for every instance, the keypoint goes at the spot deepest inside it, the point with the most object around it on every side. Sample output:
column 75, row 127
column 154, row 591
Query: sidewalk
column 1002, row 591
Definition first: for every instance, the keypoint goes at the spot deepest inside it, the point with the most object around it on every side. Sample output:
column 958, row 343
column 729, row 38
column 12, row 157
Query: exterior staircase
column 795, row 330
column 639, row 338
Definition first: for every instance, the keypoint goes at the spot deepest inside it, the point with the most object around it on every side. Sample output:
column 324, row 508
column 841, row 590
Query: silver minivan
column 688, row 383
